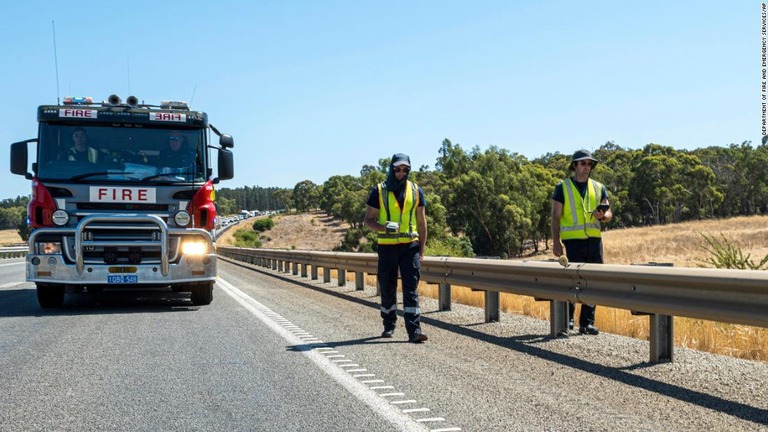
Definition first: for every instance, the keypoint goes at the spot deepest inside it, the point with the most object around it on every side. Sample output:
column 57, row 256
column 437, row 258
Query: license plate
column 123, row 279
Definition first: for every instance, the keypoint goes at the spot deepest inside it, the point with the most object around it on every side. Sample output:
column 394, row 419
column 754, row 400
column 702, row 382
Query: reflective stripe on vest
column 577, row 220
column 390, row 211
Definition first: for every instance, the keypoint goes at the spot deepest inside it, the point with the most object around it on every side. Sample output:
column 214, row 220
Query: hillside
column 307, row 231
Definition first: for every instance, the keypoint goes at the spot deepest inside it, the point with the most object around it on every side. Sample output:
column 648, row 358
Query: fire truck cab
column 122, row 197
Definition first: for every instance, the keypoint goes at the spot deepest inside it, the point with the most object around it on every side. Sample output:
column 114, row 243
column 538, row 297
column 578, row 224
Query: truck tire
column 202, row 294
column 50, row 296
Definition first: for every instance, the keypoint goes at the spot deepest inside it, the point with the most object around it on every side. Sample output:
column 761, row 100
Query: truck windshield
column 121, row 152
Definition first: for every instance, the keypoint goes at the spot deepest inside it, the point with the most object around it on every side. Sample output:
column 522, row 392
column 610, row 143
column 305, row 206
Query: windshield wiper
column 92, row 174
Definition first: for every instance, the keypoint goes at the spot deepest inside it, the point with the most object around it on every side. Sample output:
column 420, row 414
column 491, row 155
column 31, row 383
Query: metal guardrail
column 732, row 296
column 13, row 252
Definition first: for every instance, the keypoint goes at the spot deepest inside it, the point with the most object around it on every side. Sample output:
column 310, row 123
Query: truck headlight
column 182, row 218
column 194, row 248
column 60, row 217
column 48, row 248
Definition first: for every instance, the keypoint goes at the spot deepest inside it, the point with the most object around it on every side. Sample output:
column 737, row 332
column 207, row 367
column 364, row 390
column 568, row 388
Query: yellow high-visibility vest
column 577, row 220
column 93, row 154
column 390, row 211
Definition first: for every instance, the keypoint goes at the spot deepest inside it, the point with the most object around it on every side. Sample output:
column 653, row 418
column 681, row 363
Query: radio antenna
column 128, row 62
column 56, row 62
column 194, row 89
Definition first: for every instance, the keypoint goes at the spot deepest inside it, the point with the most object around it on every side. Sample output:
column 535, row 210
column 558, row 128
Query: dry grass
column 9, row 238
column 682, row 244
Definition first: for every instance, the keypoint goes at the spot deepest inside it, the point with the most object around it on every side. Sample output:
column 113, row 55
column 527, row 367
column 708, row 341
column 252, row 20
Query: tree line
column 498, row 203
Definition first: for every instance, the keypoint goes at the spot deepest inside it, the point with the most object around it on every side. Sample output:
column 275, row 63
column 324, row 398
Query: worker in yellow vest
column 396, row 212
column 579, row 206
column 80, row 150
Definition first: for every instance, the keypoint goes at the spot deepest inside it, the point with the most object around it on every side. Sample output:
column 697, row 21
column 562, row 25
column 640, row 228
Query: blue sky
column 312, row 89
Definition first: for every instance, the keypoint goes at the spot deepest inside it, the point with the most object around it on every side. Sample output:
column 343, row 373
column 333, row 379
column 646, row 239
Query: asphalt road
column 280, row 352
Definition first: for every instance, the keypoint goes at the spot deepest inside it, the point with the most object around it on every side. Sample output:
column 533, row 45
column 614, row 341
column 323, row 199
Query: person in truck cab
column 80, row 151
column 176, row 154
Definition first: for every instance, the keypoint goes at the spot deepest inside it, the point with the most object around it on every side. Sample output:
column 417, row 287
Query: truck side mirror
column 226, row 165
column 226, row 141
column 19, row 158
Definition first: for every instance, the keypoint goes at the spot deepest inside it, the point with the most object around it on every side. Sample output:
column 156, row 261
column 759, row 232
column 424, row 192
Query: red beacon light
column 82, row 100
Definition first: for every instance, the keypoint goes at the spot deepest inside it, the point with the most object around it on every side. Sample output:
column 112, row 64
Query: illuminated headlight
column 48, row 248
column 182, row 218
column 194, row 248
column 60, row 217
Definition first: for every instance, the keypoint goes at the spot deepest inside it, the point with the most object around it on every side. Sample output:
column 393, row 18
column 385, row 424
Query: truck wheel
column 50, row 296
column 202, row 294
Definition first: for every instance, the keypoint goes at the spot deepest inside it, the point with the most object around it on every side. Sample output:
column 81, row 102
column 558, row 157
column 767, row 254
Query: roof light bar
column 82, row 100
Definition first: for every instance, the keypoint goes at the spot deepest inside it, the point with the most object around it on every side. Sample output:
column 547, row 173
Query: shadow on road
column 23, row 302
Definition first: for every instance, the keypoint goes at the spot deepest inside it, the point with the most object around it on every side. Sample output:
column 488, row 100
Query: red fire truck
column 122, row 197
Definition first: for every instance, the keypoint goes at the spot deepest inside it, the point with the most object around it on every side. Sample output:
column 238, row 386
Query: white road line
column 372, row 381
column 391, row 394
column 360, row 391
column 11, row 284
column 450, row 429
column 13, row 264
column 431, row 419
column 412, row 410
column 356, row 370
column 403, row 402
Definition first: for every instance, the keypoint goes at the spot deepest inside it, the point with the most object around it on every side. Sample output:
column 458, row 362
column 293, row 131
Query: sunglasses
column 398, row 170
column 174, row 138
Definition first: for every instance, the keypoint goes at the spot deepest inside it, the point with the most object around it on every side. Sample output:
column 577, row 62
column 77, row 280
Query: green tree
column 306, row 196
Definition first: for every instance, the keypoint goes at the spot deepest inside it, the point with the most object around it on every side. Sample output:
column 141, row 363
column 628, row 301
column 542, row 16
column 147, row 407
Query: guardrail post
column 661, row 334
column 491, row 306
column 342, row 277
column 303, row 270
column 558, row 318
column 661, row 338
column 326, row 274
column 359, row 281
column 444, row 296
column 314, row 272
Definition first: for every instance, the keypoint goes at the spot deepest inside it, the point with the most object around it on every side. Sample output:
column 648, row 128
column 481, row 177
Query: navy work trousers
column 405, row 258
column 589, row 250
